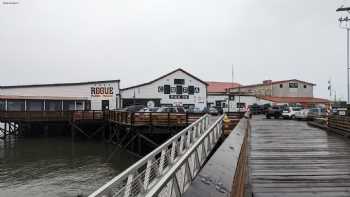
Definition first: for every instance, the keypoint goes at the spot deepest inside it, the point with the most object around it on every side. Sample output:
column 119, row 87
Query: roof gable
column 166, row 75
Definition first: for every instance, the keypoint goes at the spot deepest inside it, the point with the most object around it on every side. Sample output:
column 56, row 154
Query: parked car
column 194, row 110
column 256, row 109
column 213, row 111
column 149, row 109
column 302, row 114
column 274, row 111
column 220, row 110
column 133, row 108
column 289, row 112
column 172, row 109
column 316, row 113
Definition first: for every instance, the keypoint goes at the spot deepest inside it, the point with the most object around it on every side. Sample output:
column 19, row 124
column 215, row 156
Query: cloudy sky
column 135, row 41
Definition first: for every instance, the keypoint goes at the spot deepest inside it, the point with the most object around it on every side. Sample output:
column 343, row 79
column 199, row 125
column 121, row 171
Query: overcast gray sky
column 135, row 41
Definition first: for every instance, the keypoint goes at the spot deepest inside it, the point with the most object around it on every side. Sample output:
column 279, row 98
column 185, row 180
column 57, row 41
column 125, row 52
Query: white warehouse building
column 95, row 95
column 177, row 88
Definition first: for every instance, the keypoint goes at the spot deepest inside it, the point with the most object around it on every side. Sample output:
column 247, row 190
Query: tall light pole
column 347, row 27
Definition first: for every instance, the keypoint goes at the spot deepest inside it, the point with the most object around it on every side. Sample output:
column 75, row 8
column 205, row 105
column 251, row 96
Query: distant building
column 94, row 95
column 177, row 88
column 218, row 93
column 286, row 88
column 235, row 97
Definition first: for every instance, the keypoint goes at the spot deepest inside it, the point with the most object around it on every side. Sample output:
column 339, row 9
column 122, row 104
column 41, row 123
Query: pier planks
column 289, row 158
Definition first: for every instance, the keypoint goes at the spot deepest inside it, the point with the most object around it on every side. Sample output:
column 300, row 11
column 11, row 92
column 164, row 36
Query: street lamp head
column 343, row 9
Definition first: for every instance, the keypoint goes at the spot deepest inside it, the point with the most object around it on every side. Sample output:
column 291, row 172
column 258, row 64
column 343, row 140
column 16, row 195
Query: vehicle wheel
column 268, row 117
column 292, row 117
column 277, row 117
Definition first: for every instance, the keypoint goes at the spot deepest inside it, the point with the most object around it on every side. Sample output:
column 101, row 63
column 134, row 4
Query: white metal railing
column 141, row 177
column 175, row 182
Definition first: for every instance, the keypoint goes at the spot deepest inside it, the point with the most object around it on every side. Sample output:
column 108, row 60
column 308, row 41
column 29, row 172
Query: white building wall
column 248, row 100
column 212, row 98
column 76, row 90
column 151, row 91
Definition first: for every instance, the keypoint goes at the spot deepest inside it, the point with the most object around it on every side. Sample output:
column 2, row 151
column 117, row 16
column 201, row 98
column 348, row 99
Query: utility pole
column 347, row 27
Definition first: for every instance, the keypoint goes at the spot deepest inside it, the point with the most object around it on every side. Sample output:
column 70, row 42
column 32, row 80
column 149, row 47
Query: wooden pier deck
column 290, row 158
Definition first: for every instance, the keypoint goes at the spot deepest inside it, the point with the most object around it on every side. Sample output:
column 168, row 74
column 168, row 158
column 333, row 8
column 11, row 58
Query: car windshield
column 181, row 110
column 314, row 110
column 296, row 109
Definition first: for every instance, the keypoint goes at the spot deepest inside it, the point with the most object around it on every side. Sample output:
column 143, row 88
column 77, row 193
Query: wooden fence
column 339, row 122
column 152, row 118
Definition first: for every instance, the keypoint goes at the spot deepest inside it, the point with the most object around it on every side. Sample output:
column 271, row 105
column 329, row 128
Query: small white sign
column 342, row 113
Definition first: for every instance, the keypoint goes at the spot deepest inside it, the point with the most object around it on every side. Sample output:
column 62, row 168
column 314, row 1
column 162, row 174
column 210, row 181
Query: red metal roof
column 294, row 99
column 218, row 87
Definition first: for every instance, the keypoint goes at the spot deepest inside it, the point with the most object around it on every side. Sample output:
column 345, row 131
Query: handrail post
column 128, row 188
column 168, row 119
column 161, row 162
column 186, row 118
column 132, row 118
column 147, row 174
column 173, row 151
column 151, row 119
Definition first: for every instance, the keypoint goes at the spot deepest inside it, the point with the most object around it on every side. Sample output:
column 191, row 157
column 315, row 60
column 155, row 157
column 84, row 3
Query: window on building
column 179, row 81
column 80, row 105
column 293, row 85
column 35, row 105
column 15, row 105
column 305, row 86
column 231, row 97
column 191, row 90
column 87, row 105
column 178, row 89
column 2, row 105
column 68, row 105
column 240, row 105
column 53, row 105
column 166, row 89
column 281, row 85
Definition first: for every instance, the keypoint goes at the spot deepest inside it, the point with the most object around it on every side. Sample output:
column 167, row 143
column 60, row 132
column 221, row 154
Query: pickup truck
column 274, row 111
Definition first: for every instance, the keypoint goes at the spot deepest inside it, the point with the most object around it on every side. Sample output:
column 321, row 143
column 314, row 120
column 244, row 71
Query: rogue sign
column 101, row 91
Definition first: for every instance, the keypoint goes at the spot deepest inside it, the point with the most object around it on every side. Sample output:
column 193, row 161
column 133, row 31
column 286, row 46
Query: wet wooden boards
column 290, row 158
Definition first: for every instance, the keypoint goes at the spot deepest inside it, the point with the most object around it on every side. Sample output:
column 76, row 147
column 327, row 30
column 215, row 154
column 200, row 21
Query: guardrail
column 226, row 172
column 339, row 122
column 180, row 176
column 152, row 118
column 142, row 177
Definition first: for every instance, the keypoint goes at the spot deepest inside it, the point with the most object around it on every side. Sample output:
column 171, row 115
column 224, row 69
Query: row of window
column 167, row 89
column 38, row 105
column 293, row 85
